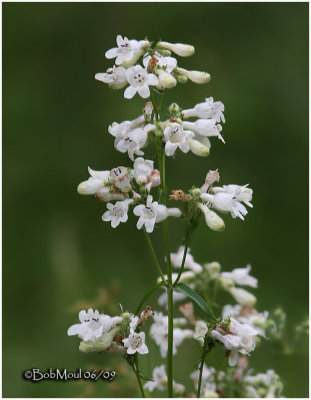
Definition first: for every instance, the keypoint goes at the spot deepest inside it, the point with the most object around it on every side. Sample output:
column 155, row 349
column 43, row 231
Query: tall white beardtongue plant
column 146, row 69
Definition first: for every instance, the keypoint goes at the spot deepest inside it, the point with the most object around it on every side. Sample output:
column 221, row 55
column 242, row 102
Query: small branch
column 155, row 259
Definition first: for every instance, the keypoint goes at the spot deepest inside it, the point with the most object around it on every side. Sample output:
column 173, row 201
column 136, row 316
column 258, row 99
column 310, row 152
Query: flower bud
column 213, row 221
column 183, row 50
column 174, row 212
column 198, row 148
column 226, row 283
column 106, row 339
column 213, row 269
column 174, row 109
column 147, row 110
column 166, row 80
column 164, row 52
column 195, row 76
column 86, row 347
column 242, row 296
column 102, row 343
column 117, row 86
column 196, row 192
column 181, row 78
column 158, row 131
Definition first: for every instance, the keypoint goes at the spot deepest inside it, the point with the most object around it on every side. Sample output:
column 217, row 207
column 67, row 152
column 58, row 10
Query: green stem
column 156, row 262
column 169, row 289
column 182, row 263
column 161, row 165
column 200, row 379
column 135, row 369
column 170, row 342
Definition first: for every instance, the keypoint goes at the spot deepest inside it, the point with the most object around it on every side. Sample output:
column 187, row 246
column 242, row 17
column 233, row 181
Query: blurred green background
column 56, row 249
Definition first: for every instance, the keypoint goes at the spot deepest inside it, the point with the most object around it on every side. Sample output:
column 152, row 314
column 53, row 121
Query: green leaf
column 147, row 295
column 193, row 295
column 144, row 377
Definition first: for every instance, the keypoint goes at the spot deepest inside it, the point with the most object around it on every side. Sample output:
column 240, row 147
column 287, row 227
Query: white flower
column 175, row 136
column 117, row 212
column 208, row 377
column 154, row 180
column 108, row 194
column 205, row 127
column 121, row 130
column 136, row 343
column 133, row 141
column 198, row 147
column 213, row 221
column 266, row 385
column 166, row 63
column 265, row 379
column 133, row 324
column 183, row 50
column 142, row 170
column 159, row 332
column 92, row 325
column 213, row 268
column 207, row 109
column 163, row 68
column 195, row 76
column 226, row 202
column 241, row 193
column 153, row 212
column 139, row 81
column 242, row 296
column 211, row 177
column 115, row 77
column 166, row 80
column 241, row 277
column 176, row 260
column 247, row 315
column 127, row 52
column 237, row 338
column 159, row 381
column 121, row 178
column 94, row 183
column 200, row 331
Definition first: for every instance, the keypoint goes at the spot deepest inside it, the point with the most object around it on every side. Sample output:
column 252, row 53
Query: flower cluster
column 159, row 69
column 148, row 69
column 100, row 332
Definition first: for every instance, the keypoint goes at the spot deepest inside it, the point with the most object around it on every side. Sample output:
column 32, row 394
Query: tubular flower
column 241, row 193
column 136, row 343
column 139, row 81
column 182, row 50
column 213, row 221
column 176, row 137
column 117, row 213
column 241, row 277
column 225, row 202
column 205, row 127
column 236, row 338
column 94, row 183
column 115, row 77
column 153, row 212
column 92, row 325
column 127, row 52
column 142, row 170
column 206, row 110
column 195, row 76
